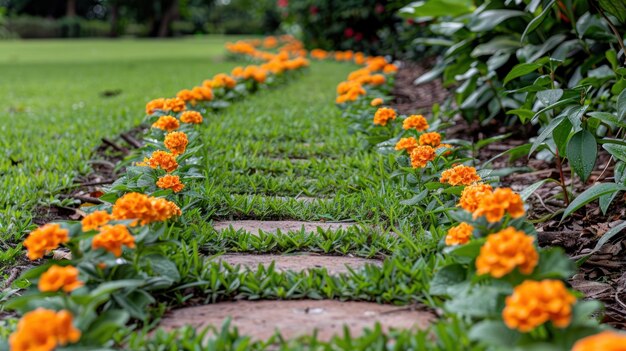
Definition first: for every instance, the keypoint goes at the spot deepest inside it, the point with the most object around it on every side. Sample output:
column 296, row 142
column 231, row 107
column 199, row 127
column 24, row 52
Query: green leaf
column 616, row 8
column 560, row 135
column 447, row 277
column 523, row 114
column 591, row 194
column 493, row 333
column 618, row 151
column 553, row 264
column 582, row 150
column 537, row 20
column 415, row 199
column 489, row 19
column 621, row 105
column 547, row 132
column 521, row 69
column 102, row 329
column 608, row 118
column 525, row 194
column 481, row 301
column 437, row 8
column 550, row 96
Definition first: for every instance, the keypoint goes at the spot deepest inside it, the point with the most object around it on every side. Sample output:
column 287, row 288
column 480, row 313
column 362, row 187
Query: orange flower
column 175, row 105
column 460, row 175
column 505, row 250
column 170, row 182
column 471, row 195
column 164, row 160
column 534, row 303
column 493, row 206
column 407, row 144
column 221, row 80
column 112, row 238
column 144, row 208
column 377, row 79
column 203, row 93
column 447, row 146
column 341, row 99
column 383, row 115
column 57, row 278
column 390, row 68
column 420, row 156
column 167, row 123
column 43, row 330
column 459, row 235
column 415, row 122
column 95, row 220
column 156, row 104
column 176, row 142
column 45, row 239
column 376, row 102
column 191, row 117
column 605, row 341
column 433, row 139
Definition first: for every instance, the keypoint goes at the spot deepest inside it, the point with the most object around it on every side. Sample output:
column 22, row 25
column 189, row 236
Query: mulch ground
column 602, row 276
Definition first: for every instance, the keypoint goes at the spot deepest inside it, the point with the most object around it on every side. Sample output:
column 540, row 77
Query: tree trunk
column 114, row 19
column 167, row 18
column 70, row 10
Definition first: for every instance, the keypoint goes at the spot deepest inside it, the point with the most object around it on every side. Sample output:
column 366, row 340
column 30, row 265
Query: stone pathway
column 253, row 226
column 261, row 319
column 298, row 262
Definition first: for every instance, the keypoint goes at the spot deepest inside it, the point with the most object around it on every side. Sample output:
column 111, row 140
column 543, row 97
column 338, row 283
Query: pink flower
column 283, row 3
column 380, row 8
column 314, row 10
column 358, row 36
column 348, row 32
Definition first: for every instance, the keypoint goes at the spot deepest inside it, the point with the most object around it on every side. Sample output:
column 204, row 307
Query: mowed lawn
column 53, row 111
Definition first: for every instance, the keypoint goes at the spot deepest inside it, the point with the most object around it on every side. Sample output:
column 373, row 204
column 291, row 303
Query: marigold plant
column 95, row 220
column 59, row 278
column 164, row 160
column 176, row 142
column 174, row 105
column 605, row 341
column 496, row 204
column 421, row 155
column 376, row 102
column 390, row 68
column 170, row 182
column 45, row 239
column 156, row 104
column 533, row 303
column 407, row 144
column 193, row 117
column 383, row 115
column 417, row 122
column 144, row 208
column 431, row 139
column 460, row 175
column 459, row 235
column 167, row 123
column 44, row 330
column 112, row 238
column 471, row 195
column 506, row 250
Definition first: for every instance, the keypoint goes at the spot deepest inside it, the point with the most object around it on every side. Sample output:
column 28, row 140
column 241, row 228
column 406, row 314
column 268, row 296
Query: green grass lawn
column 52, row 113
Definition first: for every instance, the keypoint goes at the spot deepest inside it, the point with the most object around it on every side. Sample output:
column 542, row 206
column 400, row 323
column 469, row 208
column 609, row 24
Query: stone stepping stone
column 293, row 318
column 253, row 226
column 298, row 262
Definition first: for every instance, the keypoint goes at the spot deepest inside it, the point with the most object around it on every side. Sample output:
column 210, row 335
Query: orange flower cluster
column 421, row 155
column 241, row 47
column 494, row 205
column 407, row 144
column 201, row 93
column 459, row 235
column 417, row 122
column 167, row 123
column 270, row 42
column 170, row 182
column 176, row 142
column 220, row 80
column 45, row 239
column 390, row 68
column 95, row 220
column 156, row 104
column 193, row 117
column 44, row 330
column 383, row 115
column 60, row 278
column 163, row 160
column 506, row 250
column 174, row 105
column 112, row 238
column 144, row 208
column 605, row 341
column 471, row 195
column 460, row 175
column 349, row 91
column 376, row 102
column 432, row 139
column 347, row 55
column 534, row 303
column 319, row 54
column 253, row 72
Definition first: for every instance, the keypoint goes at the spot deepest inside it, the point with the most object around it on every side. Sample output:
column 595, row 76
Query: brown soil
column 253, row 226
column 409, row 98
column 298, row 262
column 261, row 319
